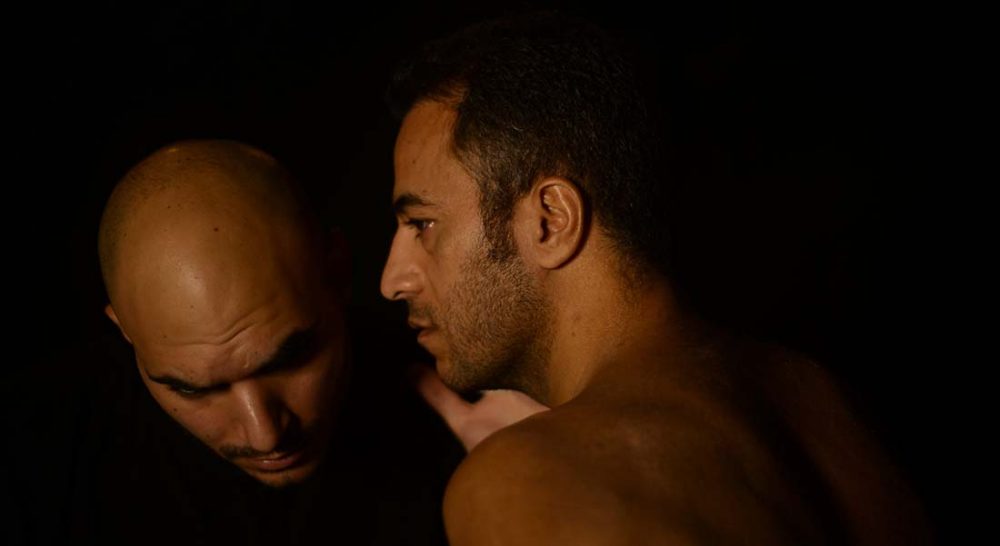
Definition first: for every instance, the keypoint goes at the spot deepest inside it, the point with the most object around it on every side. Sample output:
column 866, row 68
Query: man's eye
column 187, row 392
column 420, row 224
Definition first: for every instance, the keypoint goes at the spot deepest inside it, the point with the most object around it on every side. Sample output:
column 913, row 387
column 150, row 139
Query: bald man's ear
column 110, row 312
column 338, row 263
column 550, row 223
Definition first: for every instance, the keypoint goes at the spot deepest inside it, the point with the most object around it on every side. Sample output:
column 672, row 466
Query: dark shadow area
column 797, row 202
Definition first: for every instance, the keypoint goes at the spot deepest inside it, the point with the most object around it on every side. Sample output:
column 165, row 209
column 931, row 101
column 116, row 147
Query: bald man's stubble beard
column 496, row 323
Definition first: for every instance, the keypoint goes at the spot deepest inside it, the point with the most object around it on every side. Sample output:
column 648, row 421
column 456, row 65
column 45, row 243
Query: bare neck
column 601, row 325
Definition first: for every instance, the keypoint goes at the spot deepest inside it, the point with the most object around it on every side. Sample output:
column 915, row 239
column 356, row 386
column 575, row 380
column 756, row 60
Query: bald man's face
column 247, row 356
column 259, row 390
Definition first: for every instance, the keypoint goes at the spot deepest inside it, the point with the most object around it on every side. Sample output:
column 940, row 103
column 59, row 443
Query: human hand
column 474, row 422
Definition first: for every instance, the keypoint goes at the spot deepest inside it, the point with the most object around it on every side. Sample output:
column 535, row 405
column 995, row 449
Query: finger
column 445, row 401
column 516, row 404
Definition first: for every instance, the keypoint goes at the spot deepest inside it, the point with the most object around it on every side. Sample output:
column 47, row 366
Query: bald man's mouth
column 277, row 462
column 288, row 455
column 286, row 458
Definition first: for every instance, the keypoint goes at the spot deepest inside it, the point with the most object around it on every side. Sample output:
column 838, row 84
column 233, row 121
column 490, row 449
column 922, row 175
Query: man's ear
column 110, row 312
column 338, row 262
column 550, row 223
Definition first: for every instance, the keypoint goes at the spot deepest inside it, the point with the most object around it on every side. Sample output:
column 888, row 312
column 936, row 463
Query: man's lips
column 423, row 328
column 277, row 462
column 419, row 324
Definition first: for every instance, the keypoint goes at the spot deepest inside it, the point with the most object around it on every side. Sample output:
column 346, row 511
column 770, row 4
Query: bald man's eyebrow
column 297, row 348
column 294, row 351
column 183, row 386
column 407, row 200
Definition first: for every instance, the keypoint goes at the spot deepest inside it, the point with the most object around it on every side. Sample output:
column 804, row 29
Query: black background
column 801, row 131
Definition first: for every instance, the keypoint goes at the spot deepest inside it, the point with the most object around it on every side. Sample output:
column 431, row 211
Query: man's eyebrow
column 298, row 344
column 176, row 383
column 407, row 200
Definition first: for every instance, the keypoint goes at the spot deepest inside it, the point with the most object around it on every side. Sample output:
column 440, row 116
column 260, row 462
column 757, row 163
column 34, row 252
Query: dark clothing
column 92, row 458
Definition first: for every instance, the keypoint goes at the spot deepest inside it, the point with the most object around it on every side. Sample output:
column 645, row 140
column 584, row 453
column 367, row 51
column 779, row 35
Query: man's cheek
column 196, row 420
column 175, row 408
column 310, row 391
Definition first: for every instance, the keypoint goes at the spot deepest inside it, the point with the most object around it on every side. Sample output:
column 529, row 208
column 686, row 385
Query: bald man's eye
column 189, row 392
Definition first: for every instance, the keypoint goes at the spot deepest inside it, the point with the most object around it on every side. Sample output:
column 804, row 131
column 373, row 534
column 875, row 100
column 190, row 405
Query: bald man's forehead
column 213, row 319
column 249, row 345
column 179, row 279
column 207, row 226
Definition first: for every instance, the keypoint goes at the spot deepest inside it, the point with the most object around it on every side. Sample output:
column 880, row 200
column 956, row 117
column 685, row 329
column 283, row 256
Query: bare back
column 765, row 454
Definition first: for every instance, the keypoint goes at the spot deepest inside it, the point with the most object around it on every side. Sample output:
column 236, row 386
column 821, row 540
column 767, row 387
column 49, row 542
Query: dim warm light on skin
column 458, row 299
column 663, row 429
column 439, row 230
column 475, row 315
column 231, row 306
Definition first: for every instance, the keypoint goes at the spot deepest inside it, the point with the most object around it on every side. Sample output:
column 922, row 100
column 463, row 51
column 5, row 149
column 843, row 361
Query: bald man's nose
column 262, row 415
column 401, row 278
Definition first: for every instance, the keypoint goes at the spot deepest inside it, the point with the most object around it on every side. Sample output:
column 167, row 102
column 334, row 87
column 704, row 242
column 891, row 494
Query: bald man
column 232, row 301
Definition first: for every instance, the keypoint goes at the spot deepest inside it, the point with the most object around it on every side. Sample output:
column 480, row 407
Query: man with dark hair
column 531, row 253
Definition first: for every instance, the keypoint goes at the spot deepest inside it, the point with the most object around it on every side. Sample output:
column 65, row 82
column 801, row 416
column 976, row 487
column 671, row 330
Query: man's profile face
column 248, row 363
column 476, row 316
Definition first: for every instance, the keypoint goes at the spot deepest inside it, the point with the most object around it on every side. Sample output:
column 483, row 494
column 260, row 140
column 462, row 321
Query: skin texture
column 663, row 429
column 478, row 317
column 227, row 294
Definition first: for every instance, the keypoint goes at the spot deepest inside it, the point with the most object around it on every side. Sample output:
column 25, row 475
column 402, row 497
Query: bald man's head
column 209, row 181
column 219, row 276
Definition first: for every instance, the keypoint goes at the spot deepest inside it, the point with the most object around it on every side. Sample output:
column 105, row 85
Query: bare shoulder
column 635, row 475
column 523, row 486
column 776, row 459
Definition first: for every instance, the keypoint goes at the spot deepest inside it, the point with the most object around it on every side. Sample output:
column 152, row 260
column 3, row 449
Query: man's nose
column 263, row 416
column 401, row 275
